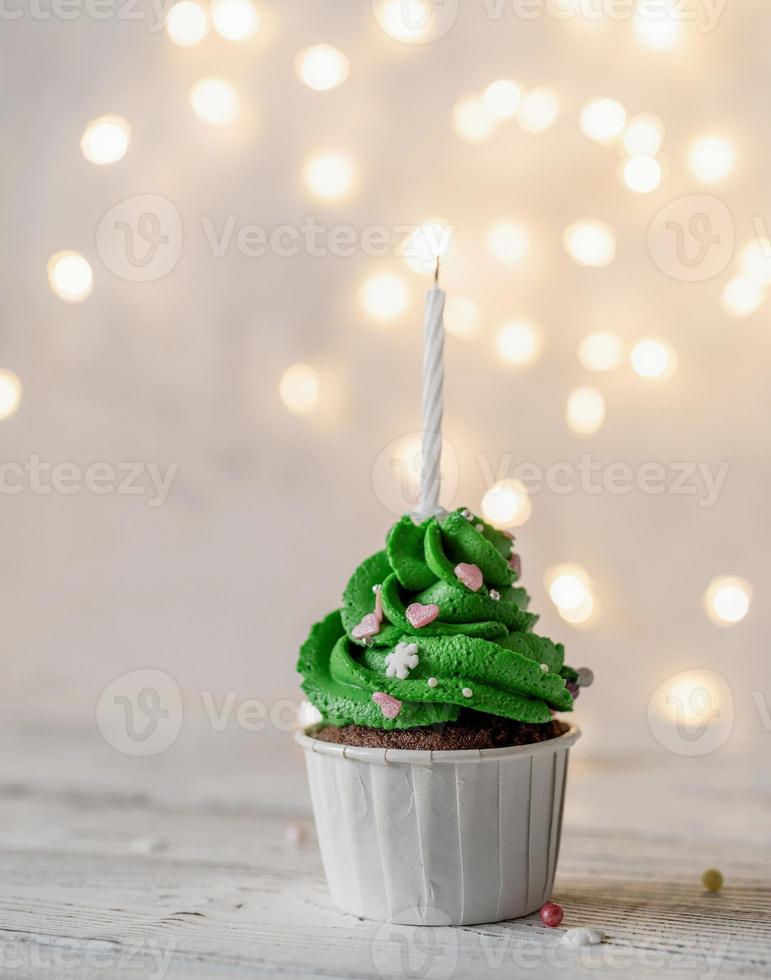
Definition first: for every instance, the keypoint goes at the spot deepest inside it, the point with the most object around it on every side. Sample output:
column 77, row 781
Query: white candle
column 433, row 382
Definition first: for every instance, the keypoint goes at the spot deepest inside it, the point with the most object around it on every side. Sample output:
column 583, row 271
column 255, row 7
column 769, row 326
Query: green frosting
column 480, row 642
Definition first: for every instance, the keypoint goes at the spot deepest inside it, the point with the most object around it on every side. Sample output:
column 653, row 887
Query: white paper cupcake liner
column 439, row 838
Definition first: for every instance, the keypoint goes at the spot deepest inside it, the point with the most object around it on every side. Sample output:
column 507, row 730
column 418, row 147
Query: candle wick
column 436, row 269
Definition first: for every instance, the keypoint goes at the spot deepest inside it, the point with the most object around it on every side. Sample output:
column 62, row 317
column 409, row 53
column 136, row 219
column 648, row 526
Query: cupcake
column 437, row 772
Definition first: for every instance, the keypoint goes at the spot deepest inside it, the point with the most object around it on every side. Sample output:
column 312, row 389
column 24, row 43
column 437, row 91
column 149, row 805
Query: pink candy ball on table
column 551, row 914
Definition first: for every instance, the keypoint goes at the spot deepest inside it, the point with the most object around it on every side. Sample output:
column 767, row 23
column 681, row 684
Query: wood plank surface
column 140, row 883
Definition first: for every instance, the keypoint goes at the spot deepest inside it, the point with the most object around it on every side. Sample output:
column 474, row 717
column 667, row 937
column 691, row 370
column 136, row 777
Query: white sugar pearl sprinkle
column 467, row 692
column 545, row 668
column 432, row 682
column 495, row 594
column 479, row 527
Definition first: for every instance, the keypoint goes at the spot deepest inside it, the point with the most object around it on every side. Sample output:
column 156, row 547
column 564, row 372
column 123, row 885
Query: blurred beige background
column 269, row 511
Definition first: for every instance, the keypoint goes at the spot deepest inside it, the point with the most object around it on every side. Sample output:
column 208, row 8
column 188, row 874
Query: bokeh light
column 696, row 700
column 462, row 317
column 657, row 24
column 727, row 600
column 711, row 159
column 503, row 98
column 70, row 276
column 215, row 101
column 590, row 242
column 652, row 358
column 329, row 175
column 601, row 351
column 10, row 393
column 507, row 504
column 756, row 261
column 583, row 613
column 430, row 240
column 519, row 343
column 570, row 589
column 642, row 174
column 408, row 21
column 742, row 296
column 187, row 23
column 384, row 297
column 603, row 120
column 539, row 110
column 585, row 410
column 472, row 120
column 508, row 241
column 299, row 388
column 643, row 136
column 105, row 140
column 322, row 67
column 235, row 20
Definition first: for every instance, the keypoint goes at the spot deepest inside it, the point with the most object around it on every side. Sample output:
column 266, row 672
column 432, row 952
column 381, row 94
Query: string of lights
column 334, row 174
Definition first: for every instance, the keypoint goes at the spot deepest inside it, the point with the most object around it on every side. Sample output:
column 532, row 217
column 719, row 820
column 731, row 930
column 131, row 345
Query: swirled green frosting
column 478, row 652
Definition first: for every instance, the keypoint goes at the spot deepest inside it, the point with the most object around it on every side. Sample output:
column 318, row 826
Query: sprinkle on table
column 583, row 936
column 712, row 880
column 551, row 914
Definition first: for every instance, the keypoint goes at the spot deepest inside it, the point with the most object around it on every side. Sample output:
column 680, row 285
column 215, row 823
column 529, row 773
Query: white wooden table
column 179, row 866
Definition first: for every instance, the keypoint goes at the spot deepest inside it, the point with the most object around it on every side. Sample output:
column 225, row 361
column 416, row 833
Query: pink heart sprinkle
column 369, row 626
column 388, row 705
column 470, row 575
column 515, row 564
column 379, row 603
column 419, row 615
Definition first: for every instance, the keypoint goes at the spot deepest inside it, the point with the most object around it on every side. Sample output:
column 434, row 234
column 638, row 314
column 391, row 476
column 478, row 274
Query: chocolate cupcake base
column 472, row 730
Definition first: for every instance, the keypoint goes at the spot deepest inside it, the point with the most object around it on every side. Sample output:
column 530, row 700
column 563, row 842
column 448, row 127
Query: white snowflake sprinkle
column 467, row 692
column 401, row 660
column 545, row 668
column 583, row 936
